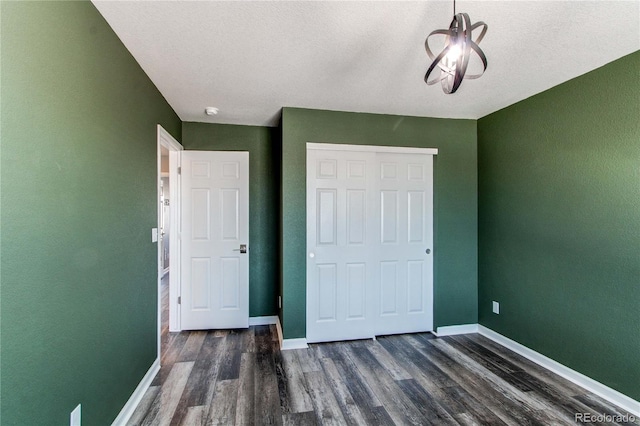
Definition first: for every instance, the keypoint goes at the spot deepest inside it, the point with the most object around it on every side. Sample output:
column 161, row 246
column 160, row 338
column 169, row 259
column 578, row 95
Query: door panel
column 356, row 216
column 388, row 288
column 356, row 290
column 215, row 284
column 340, row 305
column 389, row 217
column 327, row 215
column 410, row 212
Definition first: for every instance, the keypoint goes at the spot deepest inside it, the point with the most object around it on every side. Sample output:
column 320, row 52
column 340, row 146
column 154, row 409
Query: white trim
column 288, row 344
column 452, row 330
column 371, row 148
column 135, row 398
column 168, row 140
column 175, row 195
column 164, row 139
column 279, row 330
column 267, row 320
column 593, row 386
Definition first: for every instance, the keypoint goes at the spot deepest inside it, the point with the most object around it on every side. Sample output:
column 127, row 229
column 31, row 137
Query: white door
column 214, row 236
column 340, row 263
column 369, row 241
column 404, row 215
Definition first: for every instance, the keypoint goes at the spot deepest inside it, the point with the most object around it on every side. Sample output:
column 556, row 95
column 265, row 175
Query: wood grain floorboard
column 510, row 384
column 348, row 407
column 324, row 401
column 295, row 398
column 501, row 402
column 192, row 346
column 399, row 407
column 143, row 406
column 307, row 418
column 431, row 411
column 267, row 399
column 240, row 377
column 307, row 359
column 246, row 389
column 202, row 377
column 166, row 401
column 566, row 387
column 363, row 396
column 222, row 410
column 195, row 416
column 476, row 410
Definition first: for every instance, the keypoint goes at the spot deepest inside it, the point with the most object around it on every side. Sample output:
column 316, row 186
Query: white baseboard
column 452, row 330
column 136, row 396
column 279, row 330
column 267, row 320
column 593, row 386
column 288, row 344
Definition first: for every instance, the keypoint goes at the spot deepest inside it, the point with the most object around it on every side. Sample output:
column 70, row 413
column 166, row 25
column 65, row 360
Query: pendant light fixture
column 453, row 61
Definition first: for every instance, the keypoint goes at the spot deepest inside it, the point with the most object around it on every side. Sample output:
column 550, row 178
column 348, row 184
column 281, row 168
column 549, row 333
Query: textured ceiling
column 250, row 59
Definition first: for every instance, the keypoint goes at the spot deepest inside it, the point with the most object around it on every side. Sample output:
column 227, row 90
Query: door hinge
column 179, row 170
column 179, row 300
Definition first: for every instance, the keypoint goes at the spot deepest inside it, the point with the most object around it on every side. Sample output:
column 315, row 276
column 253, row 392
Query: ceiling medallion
column 453, row 61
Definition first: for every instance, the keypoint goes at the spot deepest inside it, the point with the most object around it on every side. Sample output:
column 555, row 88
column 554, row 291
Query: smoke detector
column 211, row 111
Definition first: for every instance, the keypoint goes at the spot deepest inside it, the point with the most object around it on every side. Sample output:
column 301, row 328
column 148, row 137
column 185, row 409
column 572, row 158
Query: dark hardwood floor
column 241, row 377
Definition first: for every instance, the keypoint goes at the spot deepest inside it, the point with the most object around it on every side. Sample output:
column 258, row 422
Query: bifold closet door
column 369, row 244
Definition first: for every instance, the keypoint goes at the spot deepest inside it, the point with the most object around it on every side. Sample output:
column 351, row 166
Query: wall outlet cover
column 496, row 307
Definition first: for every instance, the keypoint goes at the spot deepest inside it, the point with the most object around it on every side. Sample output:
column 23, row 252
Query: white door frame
column 167, row 141
column 371, row 148
column 368, row 149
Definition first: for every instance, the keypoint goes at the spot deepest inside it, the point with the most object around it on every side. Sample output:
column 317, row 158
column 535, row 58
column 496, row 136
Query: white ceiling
column 251, row 58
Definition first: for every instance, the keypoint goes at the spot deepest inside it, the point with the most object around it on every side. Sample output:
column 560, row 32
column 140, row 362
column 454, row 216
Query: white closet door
column 404, row 264
column 340, row 264
column 369, row 242
column 215, row 235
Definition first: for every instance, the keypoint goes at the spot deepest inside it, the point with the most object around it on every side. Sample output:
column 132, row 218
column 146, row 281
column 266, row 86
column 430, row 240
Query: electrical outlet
column 75, row 417
column 496, row 307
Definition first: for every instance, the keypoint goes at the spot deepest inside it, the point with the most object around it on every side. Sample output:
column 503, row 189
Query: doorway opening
column 168, row 201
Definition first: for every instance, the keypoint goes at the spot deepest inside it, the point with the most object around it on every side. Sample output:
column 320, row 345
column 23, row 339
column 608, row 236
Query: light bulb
column 454, row 53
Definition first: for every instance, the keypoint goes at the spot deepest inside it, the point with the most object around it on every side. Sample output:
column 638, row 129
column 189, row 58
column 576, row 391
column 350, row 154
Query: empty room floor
column 241, row 377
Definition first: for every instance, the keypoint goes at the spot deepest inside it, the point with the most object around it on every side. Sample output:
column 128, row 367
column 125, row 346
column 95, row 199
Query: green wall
column 455, row 202
column 78, row 175
column 559, row 223
column 263, row 200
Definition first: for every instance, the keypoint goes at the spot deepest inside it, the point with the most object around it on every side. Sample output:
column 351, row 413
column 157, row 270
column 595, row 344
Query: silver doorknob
column 242, row 249
column 428, row 251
